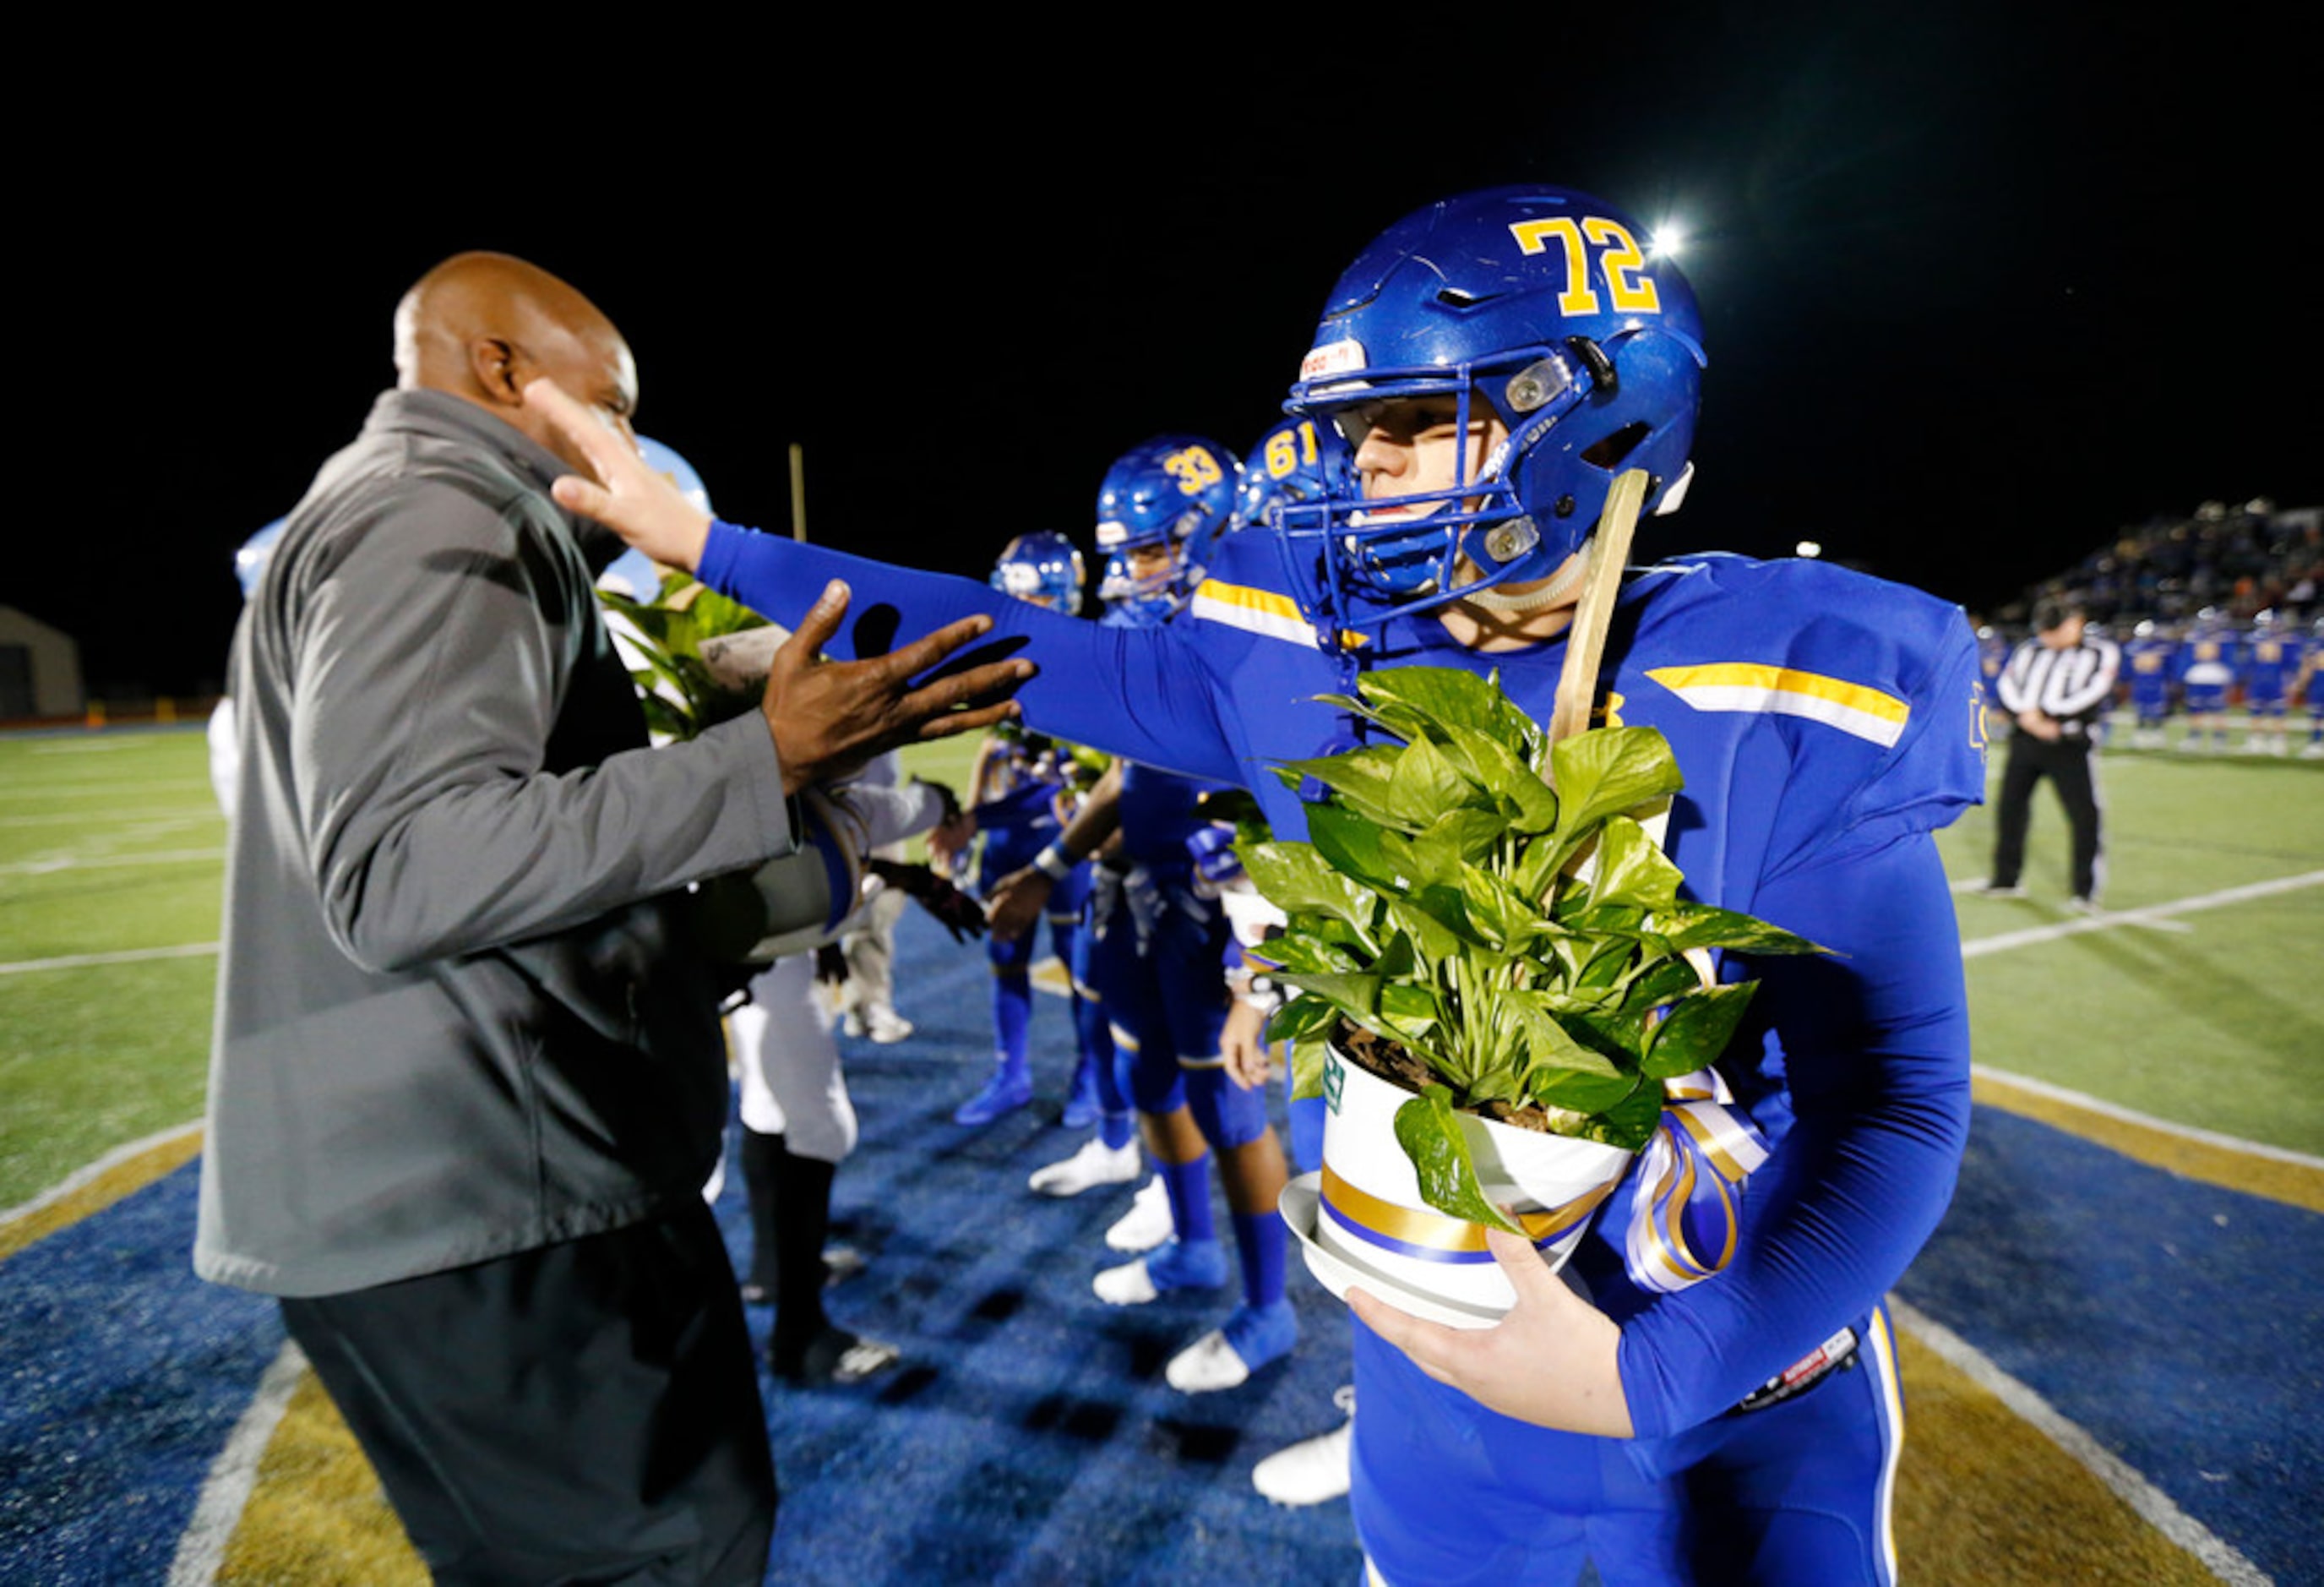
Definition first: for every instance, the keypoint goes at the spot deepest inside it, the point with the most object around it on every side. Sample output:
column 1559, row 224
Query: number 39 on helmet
column 1542, row 305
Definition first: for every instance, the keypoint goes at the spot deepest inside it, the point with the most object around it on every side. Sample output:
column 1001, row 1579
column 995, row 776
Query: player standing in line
column 1158, row 958
column 1019, row 799
column 2312, row 672
column 2146, row 660
column 1826, row 723
column 2271, row 663
column 2207, row 669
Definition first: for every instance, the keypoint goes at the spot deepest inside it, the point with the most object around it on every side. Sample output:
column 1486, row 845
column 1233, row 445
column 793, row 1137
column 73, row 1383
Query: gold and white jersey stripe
column 1750, row 686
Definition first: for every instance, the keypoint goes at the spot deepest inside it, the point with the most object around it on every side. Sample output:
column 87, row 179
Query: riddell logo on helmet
column 1332, row 358
column 1111, row 533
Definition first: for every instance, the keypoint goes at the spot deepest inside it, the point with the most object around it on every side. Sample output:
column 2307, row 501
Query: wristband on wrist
column 1054, row 862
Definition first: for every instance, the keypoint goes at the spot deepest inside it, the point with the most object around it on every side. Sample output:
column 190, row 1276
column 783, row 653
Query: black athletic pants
column 585, row 1412
column 2067, row 764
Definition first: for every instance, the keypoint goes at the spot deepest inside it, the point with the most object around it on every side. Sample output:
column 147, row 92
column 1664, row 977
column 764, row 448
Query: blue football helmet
column 250, row 561
column 1169, row 491
column 1298, row 460
column 1043, row 567
column 1541, row 304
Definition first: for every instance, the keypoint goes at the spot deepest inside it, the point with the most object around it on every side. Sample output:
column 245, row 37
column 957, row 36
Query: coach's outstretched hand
column 830, row 718
column 1553, row 1361
column 627, row 497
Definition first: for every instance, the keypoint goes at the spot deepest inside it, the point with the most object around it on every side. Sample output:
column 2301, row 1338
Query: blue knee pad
column 1227, row 1115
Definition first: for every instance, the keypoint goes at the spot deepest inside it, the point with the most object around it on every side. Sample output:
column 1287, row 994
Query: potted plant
column 699, row 658
column 1489, row 945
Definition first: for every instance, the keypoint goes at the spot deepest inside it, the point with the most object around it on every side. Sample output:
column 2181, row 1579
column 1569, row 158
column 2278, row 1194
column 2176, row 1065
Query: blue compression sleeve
column 1877, row 1055
column 1139, row 693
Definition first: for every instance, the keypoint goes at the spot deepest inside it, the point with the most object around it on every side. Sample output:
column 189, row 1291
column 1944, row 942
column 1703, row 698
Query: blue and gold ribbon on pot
column 1426, row 1235
column 1687, row 1206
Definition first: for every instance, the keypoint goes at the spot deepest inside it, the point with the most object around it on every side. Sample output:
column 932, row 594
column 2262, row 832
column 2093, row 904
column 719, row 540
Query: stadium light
column 1808, row 549
column 1668, row 239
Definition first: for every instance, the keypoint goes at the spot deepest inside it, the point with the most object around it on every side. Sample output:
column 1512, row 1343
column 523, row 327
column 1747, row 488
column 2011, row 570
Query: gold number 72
column 1620, row 259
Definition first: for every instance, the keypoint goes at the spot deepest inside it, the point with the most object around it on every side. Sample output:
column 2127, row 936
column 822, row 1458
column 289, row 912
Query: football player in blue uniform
column 1158, row 959
column 1020, row 796
column 1992, row 654
column 2311, row 689
column 1497, row 359
column 2146, row 663
column 2271, row 666
column 250, row 561
column 2206, row 670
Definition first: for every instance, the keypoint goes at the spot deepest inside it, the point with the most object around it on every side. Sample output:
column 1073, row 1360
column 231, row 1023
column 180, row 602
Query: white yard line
column 2153, row 1505
column 112, row 820
column 2153, row 914
column 234, row 1475
column 104, row 1164
column 50, row 790
column 185, row 950
column 2093, row 1105
column 159, row 857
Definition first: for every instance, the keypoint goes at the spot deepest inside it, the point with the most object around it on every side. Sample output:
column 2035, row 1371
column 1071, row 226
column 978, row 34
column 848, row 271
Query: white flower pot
column 1370, row 1214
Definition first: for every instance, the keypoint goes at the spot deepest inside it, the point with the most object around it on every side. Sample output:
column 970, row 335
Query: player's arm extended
column 1142, row 694
column 1139, row 693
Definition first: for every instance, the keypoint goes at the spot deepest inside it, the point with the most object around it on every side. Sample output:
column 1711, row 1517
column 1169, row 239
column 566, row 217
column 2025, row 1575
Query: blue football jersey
column 2207, row 666
column 1021, row 807
column 2146, row 663
column 1826, row 723
column 2271, row 662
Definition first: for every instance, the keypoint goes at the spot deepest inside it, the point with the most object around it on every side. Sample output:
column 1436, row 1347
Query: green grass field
column 110, row 846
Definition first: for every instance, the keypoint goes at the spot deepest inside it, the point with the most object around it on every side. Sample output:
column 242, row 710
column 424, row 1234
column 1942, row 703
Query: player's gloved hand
column 1553, row 1361
column 830, row 963
column 1014, row 907
column 955, row 910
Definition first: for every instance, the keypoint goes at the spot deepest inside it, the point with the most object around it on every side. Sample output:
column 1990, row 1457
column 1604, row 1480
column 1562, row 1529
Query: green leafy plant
column 1489, row 903
column 681, row 693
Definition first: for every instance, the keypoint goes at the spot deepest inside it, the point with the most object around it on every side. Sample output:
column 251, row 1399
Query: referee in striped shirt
column 2055, row 686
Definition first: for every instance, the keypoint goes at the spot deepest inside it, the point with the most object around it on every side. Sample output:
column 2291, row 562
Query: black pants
column 584, row 1412
column 2067, row 764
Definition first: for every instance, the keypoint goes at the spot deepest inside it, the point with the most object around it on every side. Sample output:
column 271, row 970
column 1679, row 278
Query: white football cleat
column 1314, row 1470
column 884, row 1025
column 1094, row 1164
column 1147, row 1223
column 1129, row 1285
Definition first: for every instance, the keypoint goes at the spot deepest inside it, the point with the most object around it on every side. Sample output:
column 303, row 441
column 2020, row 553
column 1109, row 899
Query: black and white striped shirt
column 2070, row 686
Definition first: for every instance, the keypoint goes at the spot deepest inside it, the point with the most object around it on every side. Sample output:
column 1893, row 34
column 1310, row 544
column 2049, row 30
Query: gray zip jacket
column 456, row 1014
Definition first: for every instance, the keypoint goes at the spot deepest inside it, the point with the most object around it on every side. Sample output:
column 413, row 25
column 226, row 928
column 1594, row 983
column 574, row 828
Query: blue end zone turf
column 2178, row 1324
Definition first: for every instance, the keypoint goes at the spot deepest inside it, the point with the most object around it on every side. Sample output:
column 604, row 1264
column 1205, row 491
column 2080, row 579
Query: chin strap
column 1557, row 591
column 1687, row 1205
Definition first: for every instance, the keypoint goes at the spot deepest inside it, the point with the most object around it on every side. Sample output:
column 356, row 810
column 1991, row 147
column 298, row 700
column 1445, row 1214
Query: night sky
column 1983, row 284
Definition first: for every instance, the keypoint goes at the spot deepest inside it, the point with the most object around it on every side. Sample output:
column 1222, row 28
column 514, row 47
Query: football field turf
column 2122, row 1260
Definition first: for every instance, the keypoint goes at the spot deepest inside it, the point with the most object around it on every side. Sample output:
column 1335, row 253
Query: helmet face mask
column 1532, row 310
column 1168, row 493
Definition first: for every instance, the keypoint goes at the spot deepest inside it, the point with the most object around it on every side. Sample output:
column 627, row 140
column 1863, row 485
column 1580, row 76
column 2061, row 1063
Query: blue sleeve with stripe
column 1143, row 694
column 1876, row 1045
